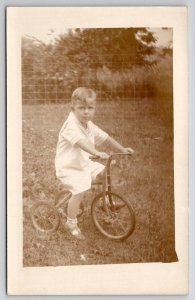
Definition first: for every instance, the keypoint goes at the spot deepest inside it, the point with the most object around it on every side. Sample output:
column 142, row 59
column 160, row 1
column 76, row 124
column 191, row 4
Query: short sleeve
column 99, row 135
column 71, row 133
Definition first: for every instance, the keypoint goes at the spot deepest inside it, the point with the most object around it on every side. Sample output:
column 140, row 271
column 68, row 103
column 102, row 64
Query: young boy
column 77, row 141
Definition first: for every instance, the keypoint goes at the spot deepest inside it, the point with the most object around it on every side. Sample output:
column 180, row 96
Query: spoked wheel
column 61, row 201
column 113, row 216
column 45, row 217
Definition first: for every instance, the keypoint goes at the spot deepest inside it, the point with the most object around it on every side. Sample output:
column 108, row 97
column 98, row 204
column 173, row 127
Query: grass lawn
column 147, row 182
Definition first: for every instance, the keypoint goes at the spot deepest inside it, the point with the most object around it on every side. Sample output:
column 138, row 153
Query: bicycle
column 112, row 215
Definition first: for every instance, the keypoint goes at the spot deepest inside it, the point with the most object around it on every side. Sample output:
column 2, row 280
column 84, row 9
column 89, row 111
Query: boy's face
column 84, row 110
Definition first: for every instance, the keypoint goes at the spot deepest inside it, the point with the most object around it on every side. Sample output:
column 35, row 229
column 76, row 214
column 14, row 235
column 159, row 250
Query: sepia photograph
column 105, row 92
column 96, row 143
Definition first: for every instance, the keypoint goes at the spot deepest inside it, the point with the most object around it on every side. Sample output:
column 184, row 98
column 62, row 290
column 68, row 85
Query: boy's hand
column 129, row 150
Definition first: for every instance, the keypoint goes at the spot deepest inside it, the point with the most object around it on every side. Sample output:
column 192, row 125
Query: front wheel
column 113, row 216
column 44, row 217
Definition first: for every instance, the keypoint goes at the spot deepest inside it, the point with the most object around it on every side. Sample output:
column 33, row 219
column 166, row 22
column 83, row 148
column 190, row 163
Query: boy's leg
column 100, row 179
column 74, row 204
column 73, row 207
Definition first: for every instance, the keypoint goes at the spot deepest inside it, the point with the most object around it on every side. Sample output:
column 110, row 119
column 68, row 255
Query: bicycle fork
column 107, row 196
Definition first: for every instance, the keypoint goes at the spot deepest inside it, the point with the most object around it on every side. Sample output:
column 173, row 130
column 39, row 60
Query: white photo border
column 156, row 279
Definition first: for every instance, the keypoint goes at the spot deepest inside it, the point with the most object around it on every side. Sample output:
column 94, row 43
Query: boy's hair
column 82, row 94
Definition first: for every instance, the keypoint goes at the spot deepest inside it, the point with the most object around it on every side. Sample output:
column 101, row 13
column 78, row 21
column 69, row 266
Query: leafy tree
column 117, row 62
column 82, row 54
column 115, row 48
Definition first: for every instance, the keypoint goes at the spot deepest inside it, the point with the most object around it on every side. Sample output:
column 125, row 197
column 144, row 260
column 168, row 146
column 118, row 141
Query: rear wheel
column 44, row 217
column 113, row 216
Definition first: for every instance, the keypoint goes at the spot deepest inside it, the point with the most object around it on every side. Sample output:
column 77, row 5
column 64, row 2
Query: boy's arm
column 88, row 147
column 113, row 143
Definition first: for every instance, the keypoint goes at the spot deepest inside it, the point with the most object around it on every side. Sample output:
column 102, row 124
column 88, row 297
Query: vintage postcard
column 97, row 150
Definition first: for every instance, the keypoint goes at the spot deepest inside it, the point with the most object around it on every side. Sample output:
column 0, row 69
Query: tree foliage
column 115, row 48
column 113, row 61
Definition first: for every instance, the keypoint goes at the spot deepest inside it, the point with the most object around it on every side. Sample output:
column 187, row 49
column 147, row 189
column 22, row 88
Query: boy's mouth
column 85, row 117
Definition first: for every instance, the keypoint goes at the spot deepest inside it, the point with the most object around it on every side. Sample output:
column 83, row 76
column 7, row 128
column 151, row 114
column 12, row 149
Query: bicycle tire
column 45, row 217
column 105, row 219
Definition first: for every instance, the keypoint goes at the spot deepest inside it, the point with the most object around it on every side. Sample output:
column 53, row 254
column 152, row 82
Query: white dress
column 73, row 166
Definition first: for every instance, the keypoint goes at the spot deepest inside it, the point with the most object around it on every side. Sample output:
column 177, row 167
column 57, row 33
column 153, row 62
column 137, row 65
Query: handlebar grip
column 121, row 153
column 93, row 157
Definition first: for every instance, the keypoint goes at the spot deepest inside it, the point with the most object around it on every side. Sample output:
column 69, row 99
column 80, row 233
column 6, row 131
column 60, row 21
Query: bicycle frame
column 106, row 185
column 109, row 210
column 69, row 194
column 107, row 170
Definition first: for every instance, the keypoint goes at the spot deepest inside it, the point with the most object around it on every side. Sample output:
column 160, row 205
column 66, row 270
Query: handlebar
column 94, row 157
column 110, row 160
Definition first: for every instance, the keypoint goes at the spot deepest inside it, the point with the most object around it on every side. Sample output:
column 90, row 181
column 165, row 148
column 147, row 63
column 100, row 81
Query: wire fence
column 44, row 82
